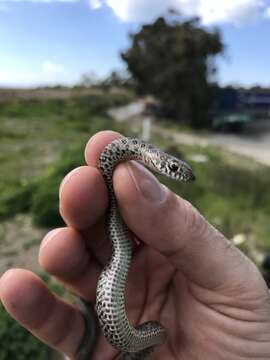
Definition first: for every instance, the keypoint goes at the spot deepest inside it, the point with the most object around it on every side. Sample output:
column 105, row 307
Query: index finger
column 96, row 144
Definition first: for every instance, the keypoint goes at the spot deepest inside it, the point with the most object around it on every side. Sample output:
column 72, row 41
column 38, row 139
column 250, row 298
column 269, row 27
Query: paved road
column 128, row 112
column 254, row 142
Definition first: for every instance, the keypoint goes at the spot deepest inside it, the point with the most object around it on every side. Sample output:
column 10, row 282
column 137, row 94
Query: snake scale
column 136, row 343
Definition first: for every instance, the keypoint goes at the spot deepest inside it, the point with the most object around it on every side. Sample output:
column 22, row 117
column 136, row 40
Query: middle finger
column 63, row 253
column 83, row 203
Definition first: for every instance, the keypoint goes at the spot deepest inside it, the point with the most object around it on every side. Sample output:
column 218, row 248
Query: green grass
column 34, row 133
column 17, row 343
column 230, row 191
column 171, row 124
column 30, row 243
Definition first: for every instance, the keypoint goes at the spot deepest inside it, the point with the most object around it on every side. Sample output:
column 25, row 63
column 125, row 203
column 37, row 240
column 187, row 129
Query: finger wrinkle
column 77, row 274
column 97, row 242
column 23, row 294
column 67, row 256
column 81, row 284
column 60, row 327
column 43, row 316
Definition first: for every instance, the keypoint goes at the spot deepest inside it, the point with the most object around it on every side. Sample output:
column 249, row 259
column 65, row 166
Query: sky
column 47, row 42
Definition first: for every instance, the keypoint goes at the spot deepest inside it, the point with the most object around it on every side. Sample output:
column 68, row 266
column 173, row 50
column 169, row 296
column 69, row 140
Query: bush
column 15, row 198
column 81, row 105
column 35, row 107
column 45, row 201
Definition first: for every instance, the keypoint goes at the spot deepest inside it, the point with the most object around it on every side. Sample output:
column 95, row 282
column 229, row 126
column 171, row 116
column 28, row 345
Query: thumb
column 172, row 226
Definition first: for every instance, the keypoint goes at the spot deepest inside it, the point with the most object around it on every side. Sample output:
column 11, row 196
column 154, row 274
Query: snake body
column 136, row 342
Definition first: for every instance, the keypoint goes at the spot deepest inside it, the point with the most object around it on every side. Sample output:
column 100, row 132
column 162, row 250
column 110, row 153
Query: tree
column 173, row 60
column 117, row 79
column 89, row 80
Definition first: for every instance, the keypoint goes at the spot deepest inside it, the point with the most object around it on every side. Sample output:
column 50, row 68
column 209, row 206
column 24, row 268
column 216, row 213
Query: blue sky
column 56, row 41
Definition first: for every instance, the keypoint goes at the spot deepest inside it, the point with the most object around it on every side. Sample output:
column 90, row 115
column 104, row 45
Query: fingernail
column 146, row 183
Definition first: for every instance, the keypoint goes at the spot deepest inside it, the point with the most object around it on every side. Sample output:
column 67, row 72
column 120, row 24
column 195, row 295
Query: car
column 231, row 121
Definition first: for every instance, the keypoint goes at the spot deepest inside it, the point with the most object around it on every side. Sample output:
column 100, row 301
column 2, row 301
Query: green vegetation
column 230, row 191
column 30, row 243
column 33, row 134
column 17, row 343
column 45, row 197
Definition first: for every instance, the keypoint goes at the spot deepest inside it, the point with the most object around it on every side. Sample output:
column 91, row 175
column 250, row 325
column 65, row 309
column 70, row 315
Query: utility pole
column 146, row 127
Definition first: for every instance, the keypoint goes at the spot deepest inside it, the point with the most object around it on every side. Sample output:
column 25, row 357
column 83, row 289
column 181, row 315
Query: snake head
column 179, row 170
column 172, row 168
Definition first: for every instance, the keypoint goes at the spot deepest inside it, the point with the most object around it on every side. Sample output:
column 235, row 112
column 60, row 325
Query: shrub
column 15, row 197
column 45, row 199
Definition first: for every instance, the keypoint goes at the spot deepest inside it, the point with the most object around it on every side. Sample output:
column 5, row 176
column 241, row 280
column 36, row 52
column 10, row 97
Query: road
column 253, row 142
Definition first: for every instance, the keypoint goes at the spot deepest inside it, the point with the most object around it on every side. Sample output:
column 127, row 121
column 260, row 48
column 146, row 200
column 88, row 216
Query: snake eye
column 173, row 167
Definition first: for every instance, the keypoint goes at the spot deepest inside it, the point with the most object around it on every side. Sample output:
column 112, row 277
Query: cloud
column 237, row 12
column 36, row 1
column 95, row 4
column 50, row 67
column 267, row 13
column 210, row 11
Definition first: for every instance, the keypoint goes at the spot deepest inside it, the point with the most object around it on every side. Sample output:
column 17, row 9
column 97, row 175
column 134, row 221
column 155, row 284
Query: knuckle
column 195, row 223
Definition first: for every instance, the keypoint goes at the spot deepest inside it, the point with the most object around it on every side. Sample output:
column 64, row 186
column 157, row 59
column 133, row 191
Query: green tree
column 173, row 59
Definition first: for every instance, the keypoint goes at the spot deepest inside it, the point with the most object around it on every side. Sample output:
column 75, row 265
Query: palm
column 156, row 291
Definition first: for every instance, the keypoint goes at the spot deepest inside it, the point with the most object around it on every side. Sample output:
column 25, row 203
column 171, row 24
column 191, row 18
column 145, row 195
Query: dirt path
column 255, row 149
column 19, row 243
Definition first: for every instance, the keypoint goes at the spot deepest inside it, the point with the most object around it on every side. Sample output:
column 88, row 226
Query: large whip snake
column 135, row 342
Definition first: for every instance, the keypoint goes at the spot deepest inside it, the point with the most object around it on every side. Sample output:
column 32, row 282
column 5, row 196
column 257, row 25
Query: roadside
column 254, row 142
column 257, row 149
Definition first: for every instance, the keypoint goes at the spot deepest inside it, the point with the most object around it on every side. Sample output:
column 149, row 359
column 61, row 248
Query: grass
column 171, row 124
column 231, row 193
column 9, row 253
column 17, row 343
column 30, row 243
column 33, row 134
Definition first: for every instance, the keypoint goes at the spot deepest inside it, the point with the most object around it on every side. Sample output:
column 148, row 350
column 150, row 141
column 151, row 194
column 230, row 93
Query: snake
column 134, row 343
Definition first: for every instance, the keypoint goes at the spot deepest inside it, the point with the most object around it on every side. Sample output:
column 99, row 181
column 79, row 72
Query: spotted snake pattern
column 138, row 342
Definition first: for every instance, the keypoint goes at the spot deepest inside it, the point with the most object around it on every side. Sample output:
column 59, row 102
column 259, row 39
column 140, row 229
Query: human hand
column 211, row 299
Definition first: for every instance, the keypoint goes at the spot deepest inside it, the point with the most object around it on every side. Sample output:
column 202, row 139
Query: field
column 42, row 138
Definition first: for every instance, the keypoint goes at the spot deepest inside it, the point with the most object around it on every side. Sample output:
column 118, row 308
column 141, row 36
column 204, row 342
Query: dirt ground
column 19, row 244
